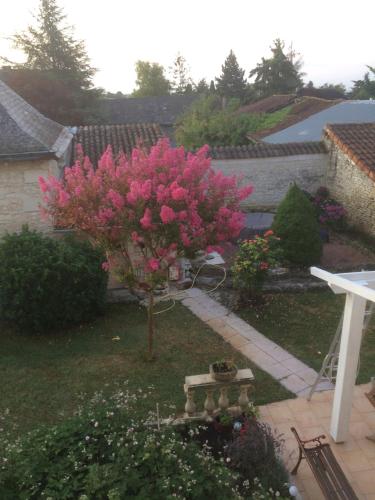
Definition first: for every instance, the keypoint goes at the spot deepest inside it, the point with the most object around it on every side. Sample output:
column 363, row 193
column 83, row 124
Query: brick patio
column 311, row 418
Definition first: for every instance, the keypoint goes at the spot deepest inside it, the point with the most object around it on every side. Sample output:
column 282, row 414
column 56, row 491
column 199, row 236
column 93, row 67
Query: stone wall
column 271, row 177
column 351, row 186
column 20, row 195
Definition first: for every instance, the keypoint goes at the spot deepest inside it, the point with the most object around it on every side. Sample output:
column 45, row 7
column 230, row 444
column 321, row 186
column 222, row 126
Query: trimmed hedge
column 296, row 225
column 46, row 284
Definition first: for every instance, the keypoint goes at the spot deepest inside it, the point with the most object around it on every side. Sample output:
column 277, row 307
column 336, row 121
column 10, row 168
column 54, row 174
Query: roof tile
column 95, row 139
column 357, row 140
column 266, row 150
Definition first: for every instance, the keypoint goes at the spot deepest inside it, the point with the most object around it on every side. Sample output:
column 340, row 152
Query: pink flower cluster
column 163, row 202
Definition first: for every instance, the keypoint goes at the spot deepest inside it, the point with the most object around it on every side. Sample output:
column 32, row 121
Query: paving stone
column 280, row 354
column 309, row 375
column 278, row 371
column 293, row 383
column 294, row 365
column 237, row 341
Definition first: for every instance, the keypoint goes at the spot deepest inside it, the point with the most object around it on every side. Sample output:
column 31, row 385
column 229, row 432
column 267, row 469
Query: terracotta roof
column 27, row 134
column 302, row 109
column 357, row 141
column 268, row 104
column 264, row 150
column 96, row 138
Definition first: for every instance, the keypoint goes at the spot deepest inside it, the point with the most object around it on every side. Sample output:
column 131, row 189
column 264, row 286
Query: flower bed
column 108, row 452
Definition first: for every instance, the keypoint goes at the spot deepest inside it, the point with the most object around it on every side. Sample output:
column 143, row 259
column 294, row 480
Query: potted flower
column 223, row 370
column 223, row 423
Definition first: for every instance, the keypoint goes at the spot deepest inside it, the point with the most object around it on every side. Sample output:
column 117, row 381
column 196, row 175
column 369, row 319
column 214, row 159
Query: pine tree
column 279, row 74
column 181, row 83
column 56, row 77
column 50, row 46
column 231, row 82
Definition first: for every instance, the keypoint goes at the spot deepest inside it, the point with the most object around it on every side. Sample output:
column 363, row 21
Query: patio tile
column 312, row 490
column 298, row 405
column 368, row 447
column 365, row 481
column 362, row 404
column 306, row 419
column 355, row 461
column 281, row 413
column 323, row 409
column 359, row 430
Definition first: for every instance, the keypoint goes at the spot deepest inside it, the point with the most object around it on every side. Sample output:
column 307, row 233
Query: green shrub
column 108, row 453
column 47, row 284
column 296, row 225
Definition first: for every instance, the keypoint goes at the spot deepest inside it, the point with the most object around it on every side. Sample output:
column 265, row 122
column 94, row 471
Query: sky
column 335, row 38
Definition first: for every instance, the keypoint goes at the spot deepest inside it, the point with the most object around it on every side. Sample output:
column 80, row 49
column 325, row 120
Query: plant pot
column 223, row 376
column 221, row 428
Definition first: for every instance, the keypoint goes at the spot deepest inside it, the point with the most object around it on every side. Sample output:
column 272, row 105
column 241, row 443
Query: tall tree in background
column 231, row 82
column 57, row 68
column 279, row 74
column 151, row 80
column 365, row 89
column 181, row 83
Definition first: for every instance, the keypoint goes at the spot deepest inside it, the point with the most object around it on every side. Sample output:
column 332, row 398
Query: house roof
column 164, row 110
column 268, row 104
column 303, row 108
column 311, row 129
column 27, row 134
column 264, row 150
column 357, row 140
column 95, row 139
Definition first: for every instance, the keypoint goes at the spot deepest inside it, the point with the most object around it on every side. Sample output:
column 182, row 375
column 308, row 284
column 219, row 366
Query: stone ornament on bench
column 325, row 468
column 206, row 383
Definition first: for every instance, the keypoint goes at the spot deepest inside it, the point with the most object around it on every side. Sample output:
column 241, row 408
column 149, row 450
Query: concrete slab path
column 270, row 357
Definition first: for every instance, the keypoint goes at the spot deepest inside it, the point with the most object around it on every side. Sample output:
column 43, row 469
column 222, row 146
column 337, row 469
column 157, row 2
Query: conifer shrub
column 48, row 284
column 297, row 227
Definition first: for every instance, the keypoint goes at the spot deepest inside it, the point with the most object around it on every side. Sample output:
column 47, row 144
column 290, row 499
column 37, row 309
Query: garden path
column 270, row 357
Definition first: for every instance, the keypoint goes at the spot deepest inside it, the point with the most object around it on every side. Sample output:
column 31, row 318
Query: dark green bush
column 47, row 284
column 298, row 229
column 108, row 453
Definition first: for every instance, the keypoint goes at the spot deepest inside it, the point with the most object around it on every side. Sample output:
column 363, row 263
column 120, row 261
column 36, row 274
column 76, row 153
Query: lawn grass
column 305, row 323
column 42, row 377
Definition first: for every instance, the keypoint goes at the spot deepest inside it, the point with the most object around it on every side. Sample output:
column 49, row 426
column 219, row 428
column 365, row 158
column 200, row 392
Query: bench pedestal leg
column 294, row 471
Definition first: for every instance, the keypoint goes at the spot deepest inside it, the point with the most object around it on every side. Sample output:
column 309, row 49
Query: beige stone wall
column 20, row 195
column 271, row 177
column 351, row 186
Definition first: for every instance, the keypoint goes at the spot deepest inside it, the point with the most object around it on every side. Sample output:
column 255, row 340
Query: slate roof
column 95, row 139
column 357, row 141
column 264, row 150
column 311, row 129
column 164, row 110
column 268, row 104
column 27, row 134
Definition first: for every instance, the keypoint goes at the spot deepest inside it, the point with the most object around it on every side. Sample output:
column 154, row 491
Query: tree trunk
column 151, row 324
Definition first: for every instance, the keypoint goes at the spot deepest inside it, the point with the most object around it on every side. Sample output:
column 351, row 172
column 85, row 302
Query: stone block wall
column 352, row 187
column 20, row 195
column 271, row 177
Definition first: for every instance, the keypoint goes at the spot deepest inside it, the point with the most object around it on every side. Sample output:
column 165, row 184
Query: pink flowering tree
column 148, row 210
